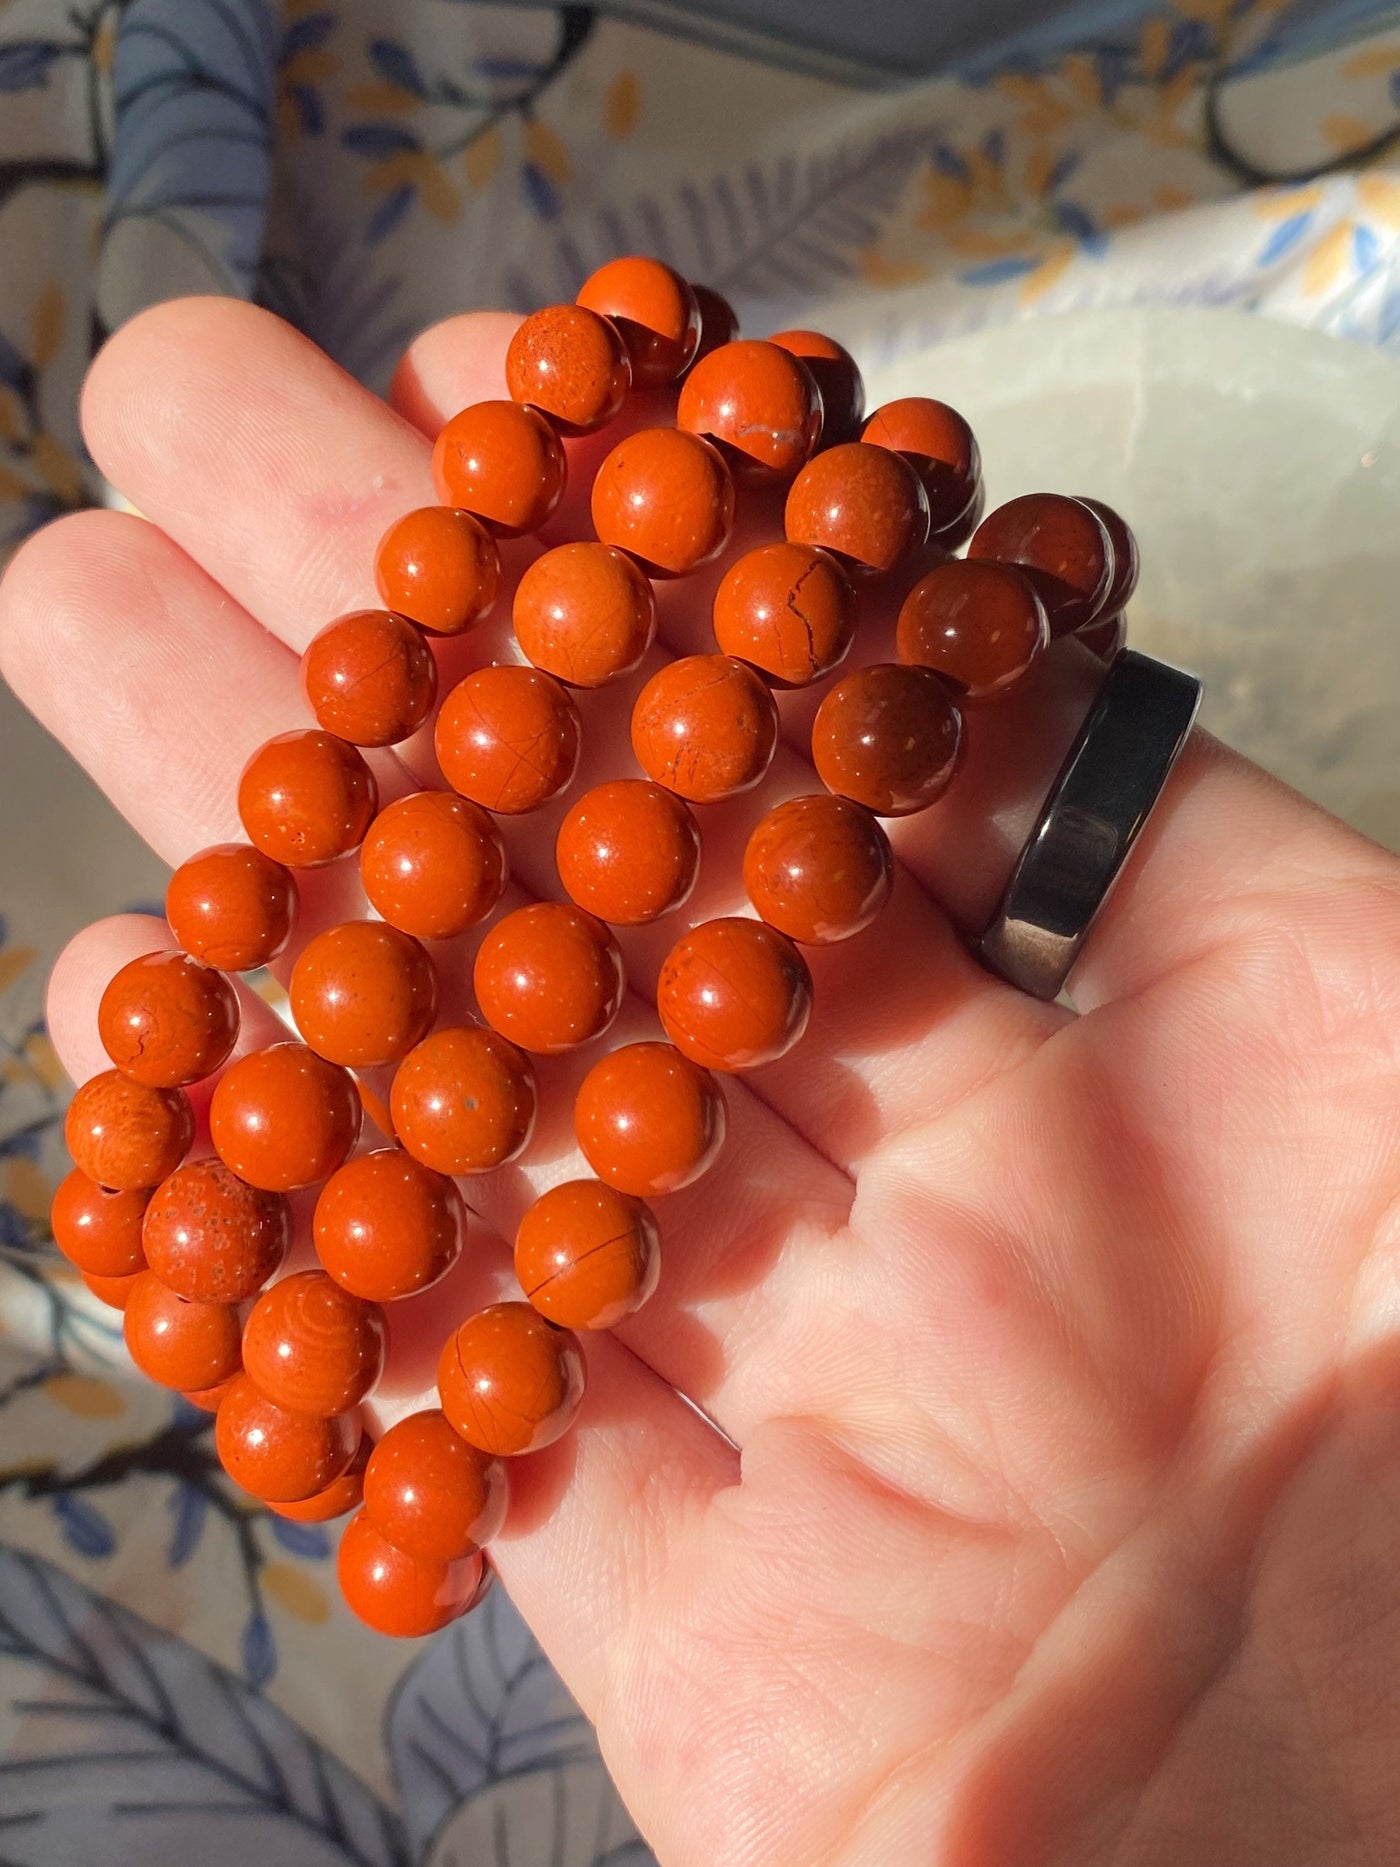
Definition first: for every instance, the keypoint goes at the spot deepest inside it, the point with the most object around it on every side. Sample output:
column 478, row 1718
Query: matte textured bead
column 940, row 446
column 889, row 738
column 178, row 1343
column 758, row 401
column 584, row 613
column 231, row 906
column 284, row 1117
column 572, row 364
column 788, row 610
column 655, row 312
column 733, row 994
column 98, row 1229
column 126, row 1135
column 440, row 567
column 706, row 727
column 648, row 1120
column 502, row 462
column 865, row 503
column 978, row 624
column 819, row 869
column 1061, row 545
column 667, row 497
column 431, row 1494
column 312, row 1347
column 398, row 1595
column 509, row 1381
column 386, row 1226
column 508, row 738
column 340, row 1497
column 166, row 1020
column 837, row 376
column 464, row 1101
column 549, row 977
column 306, row 798
column 370, row 677
column 1126, row 563
column 280, row 1456
column 363, row 994
column 433, row 864
column 586, row 1255
column 213, row 1238
column 628, row 851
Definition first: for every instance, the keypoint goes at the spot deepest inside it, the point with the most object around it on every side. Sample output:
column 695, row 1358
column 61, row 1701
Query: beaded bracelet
column 192, row 1250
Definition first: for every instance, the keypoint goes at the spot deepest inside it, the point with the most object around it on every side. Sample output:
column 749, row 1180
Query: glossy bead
column 508, row 738
column 433, row 864
column 940, row 446
column 509, row 1381
column 889, row 738
column 125, row 1135
column 284, row 1117
column 306, row 798
column 312, row 1347
column 211, row 1237
column 585, row 613
column 788, row 610
column 386, row 1226
column 818, row 869
column 502, row 462
column 340, row 1497
column 756, row 399
column 705, row 726
column 363, row 994
column 464, row 1101
column 978, row 624
column 440, row 567
column 586, row 1255
column 837, row 376
column 648, row 1120
column 549, row 977
column 208, row 1399
column 98, row 1229
column 719, row 321
column 166, row 1020
column 862, row 502
column 570, row 363
column 655, row 312
column 398, row 1595
column 231, row 906
column 1105, row 638
column 1126, row 562
column 178, row 1343
column 280, row 1456
column 370, row 677
column 733, row 994
column 115, row 1292
column 431, row 1494
column 665, row 496
column 628, row 851
column 1063, row 548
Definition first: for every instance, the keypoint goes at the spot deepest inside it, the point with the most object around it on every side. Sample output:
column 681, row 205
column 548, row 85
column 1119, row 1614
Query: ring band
column 1087, row 826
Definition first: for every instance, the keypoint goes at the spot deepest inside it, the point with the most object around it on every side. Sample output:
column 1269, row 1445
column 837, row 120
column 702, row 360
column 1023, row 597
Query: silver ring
column 1088, row 824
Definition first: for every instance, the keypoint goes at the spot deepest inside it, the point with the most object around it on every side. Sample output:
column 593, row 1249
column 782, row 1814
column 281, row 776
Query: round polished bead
column 280, row 1456
column 667, row 497
column 1126, row 562
column 339, row 1498
column 464, row 1101
column 440, row 567
column 431, row 1494
column 570, row 363
column 166, row 1020
column 363, row 994
column 1105, row 638
column 586, row 1255
column 889, row 738
column 836, row 375
column 788, row 610
column 387, row 1227
column 502, row 462
column 306, row 798
column 655, row 312
column 178, row 1343
column 211, row 1237
column 978, row 624
column 312, row 1347
column 115, row 1292
column 1063, row 548
column 719, row 321
column 705, row 726
column 819, row 869
column 864, row 503
column 284, row 1117
column 208, row 1399
column 508, row 738
column 98, row 1229
column 549, row 977
column 398, row 1595
column 758, row 401
column 940, row 446
column 510, row 1381
column 733, row 994
column 231, row 906
column 628, row 851
column 648, row 1120
column 370, row 677
column 585, row 613
column 433, row 864
column 126, row 1135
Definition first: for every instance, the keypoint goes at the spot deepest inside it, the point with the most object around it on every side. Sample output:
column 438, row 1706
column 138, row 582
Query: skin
column 1058, row 1513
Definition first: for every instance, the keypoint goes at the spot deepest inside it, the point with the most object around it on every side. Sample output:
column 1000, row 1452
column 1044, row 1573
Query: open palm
column 1058, row 1348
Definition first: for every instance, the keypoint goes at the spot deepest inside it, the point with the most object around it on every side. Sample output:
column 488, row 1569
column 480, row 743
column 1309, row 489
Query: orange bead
column 439, row 566
column 889, row 738
column 433, row 864
column 431, row 1494
column 176, row 1342
column 655, row 312
column 628, row 851
column 719, row 321
column 865, row 503
column 231, row 906
column 706, row 727
column 386, row 1226
column 284, row 1117
column 398, row 1595
column 312, row 1347
column 980, row 625
column 1062, row 546
column 570, row 363
column 836, row 374
column 648, row 1120
column 464, row 1101
column 509, row 1381
column 306, row 798
column 280, row 1456
column 586, row 1255
column 370, row 677
column 340, row 1497
column 502, row 462
column 165, row 1020
column 125, row 1135
column 758, row 401
column 788, row 610
column 941, row 448
column 208, row 1399
column 665, row 496
column 508, row 738
column 98, row 1229
column 549, row 977
column 585, row 613
column 211, row 1237
column 818, row 869
column 1126, row 563
column 733, row 994
column 363, row 994
column 115, row 1292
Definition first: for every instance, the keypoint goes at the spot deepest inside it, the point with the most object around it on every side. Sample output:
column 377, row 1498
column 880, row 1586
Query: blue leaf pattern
column 387, row 215
column 24, row 64
column 397, row 64
column 1365, row 248
column 191, row 1508
column 305, row 35
column 308, row 1540
column 259, row 1649
column 1285, row 237
column 999, row 271
column 84, row 1527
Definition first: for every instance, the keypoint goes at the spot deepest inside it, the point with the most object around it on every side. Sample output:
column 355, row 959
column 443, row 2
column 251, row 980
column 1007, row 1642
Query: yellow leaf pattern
column 622, row 106
column 15, row 960
column 85, row 1396
column 482, row 157
column 1380, row 196
column 26, row 1188
column 1346, row 133
column 48, row 324
column 293, row 1589
column 547, row 152
column 1327, row 259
